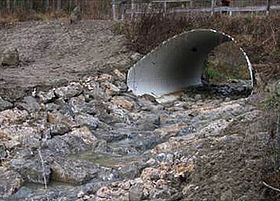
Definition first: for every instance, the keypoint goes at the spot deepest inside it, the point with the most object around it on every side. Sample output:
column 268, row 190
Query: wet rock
column 32, row 170
column 29, row 104
column 4, row 105
column 59, row 145
column 87, row 120
column 10, row 182
column 123, row 102
column 59, row 129
column 73, row 171
column 79, row 139
column 74, row 89
column 46, row 97
column 10, row 57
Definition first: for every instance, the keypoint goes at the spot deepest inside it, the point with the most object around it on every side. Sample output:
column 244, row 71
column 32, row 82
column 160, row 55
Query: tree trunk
column 8, row 5
column 58, row 5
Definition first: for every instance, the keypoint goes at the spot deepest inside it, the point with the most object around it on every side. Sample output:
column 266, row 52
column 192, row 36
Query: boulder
column 32, row 170
column 4, row 105
column 10, row 57
column 67, row 92
column 10, row 182
column 73, row 171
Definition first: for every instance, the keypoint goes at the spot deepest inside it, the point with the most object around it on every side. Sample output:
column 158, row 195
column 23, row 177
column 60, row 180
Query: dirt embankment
column 54, row 53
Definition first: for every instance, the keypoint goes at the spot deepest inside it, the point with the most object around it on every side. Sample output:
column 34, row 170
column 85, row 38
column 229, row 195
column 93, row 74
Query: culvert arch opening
column 187, row 60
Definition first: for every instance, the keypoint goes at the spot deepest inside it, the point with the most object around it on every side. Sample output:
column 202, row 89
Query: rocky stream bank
column 94, row 140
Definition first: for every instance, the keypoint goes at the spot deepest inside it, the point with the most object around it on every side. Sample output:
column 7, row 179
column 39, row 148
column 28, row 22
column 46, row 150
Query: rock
column 172, row 130
column 11, row 116
column 20, row 135
column 23, row 193
column 87, row 120
column 110, row 89
column 29, row 104
column 32, row 170
column 4, row 105
column 59, row 129
column 197, row 97
column 74, row 89
column 136, row 192
column 3, row 152
column 10, row 182
column 59, row 118
column 148, row 122
column 85, row 134
column 119, row 75
column 79, row 105
column 104, row 77
column 73, row 171
column 277, row 88
column 10, row 57
column 123, row 102
column 186, row 130
column 46, row 97
column 136, row 56
column 226, row 196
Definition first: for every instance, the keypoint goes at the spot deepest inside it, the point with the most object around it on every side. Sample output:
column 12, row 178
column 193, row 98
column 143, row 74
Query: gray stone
column 87, row 120
column 277, row 88
column 73, row 171
column 32, row 170
column 4, row 105
column 46, row 97
column 148, row 122
column 74, row 89
column 136, row 192
column 10, row 182
column 29, row 104
column 10, row 57
column 3, row 152
column 59, row 129
column 79, row 105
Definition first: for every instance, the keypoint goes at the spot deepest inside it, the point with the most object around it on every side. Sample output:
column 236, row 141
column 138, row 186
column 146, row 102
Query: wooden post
column 132, row 8
column 268, row 7
column 213, row 4
column 164, row 8
column 114, row 10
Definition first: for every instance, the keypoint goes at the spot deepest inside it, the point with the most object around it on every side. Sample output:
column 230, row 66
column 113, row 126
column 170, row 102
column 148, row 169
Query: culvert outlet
column 177, row 63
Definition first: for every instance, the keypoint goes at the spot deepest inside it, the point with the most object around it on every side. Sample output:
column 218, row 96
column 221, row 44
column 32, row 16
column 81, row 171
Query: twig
column 43, row 167
column 271, row 187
